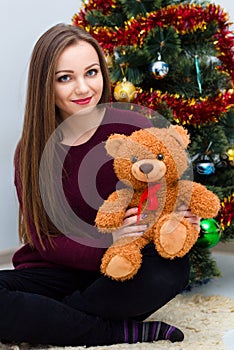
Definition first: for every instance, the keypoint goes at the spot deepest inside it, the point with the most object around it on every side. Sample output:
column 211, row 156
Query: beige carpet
column 203, row 319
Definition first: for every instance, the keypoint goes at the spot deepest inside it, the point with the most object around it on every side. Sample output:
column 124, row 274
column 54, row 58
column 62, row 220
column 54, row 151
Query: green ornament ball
column 210, row 233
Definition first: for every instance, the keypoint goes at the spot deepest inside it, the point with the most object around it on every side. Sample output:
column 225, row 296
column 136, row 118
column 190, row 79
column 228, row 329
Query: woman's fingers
column 129, row 231
column 131, row 217
column 130, row 226
column 189, row 216
column 134, row 229
column 131, row 211
column 132, row 220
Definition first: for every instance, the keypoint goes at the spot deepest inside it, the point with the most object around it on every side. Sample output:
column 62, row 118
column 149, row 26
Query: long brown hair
column 42, row 118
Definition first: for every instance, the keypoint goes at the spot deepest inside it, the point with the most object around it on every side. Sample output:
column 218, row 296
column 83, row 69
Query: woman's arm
column 65, row 251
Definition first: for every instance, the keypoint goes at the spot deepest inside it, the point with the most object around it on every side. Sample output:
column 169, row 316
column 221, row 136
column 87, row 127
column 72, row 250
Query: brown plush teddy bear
column 150, row 162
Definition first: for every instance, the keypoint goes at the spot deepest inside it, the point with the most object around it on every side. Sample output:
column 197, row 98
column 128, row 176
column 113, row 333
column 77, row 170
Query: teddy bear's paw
column 107, row 222
column 120, row 268
column 172, row 240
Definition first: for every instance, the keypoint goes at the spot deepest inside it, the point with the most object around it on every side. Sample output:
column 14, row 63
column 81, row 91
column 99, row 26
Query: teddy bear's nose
column 146, row 168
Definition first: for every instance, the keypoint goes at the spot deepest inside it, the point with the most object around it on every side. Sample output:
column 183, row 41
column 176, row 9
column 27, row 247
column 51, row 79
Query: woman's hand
column 129, row 228
column 192, row 218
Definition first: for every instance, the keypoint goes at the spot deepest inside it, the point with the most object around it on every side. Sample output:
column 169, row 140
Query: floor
column 223, row 285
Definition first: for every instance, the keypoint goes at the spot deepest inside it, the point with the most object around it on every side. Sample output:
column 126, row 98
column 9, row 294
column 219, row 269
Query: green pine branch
column 97, row 18
column 203, row 265
column 133, row 8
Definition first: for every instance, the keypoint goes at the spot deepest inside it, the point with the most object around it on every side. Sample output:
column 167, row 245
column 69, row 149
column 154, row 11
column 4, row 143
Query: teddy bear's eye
column 160, row 156
column 134, row 159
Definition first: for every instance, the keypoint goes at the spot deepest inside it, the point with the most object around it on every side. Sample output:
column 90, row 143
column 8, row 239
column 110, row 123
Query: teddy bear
column 150, row 163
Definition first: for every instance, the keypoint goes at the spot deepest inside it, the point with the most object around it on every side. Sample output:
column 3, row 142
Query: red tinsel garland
column 185, row 18
column 224, row 41
column 189, row 111
column 226, row 214
column 105, row 7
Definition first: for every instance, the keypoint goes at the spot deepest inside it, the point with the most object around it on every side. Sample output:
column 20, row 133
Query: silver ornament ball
column 159, row 69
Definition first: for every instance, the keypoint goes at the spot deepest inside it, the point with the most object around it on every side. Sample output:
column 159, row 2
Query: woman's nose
column 81, row 86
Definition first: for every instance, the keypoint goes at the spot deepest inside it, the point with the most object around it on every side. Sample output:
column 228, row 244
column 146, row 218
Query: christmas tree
column 177, row 58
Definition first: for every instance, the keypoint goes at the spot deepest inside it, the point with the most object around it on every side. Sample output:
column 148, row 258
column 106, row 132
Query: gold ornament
column 109, row 61
column 230, row 154
column 125, row 91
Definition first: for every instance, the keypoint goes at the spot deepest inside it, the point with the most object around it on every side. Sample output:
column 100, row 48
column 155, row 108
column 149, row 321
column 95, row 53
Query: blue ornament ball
column 205, row 167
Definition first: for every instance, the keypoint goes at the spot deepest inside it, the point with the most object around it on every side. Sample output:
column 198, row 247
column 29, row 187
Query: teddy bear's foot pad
column 173, row 235
column 119, row 267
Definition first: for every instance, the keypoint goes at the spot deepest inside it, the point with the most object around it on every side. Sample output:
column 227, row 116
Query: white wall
column 21, row 23
column 227, row 5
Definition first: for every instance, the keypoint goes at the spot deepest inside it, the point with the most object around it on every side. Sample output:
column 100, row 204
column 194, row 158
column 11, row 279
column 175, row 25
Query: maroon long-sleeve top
column 88, row 179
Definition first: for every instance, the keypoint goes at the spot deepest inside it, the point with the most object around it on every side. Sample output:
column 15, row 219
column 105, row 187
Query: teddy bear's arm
column 199, row 199
column 111, row 214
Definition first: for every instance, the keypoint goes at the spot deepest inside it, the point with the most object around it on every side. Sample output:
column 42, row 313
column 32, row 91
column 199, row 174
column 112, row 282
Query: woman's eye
column 92, row 72
column 64, row 78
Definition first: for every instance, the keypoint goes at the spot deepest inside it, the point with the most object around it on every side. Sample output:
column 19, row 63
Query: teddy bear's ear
column 113, row 143
column 180, row 134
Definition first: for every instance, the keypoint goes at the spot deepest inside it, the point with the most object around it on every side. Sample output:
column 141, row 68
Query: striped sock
column 141, row 332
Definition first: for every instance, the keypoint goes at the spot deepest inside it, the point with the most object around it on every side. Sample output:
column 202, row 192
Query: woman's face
column 78, row 79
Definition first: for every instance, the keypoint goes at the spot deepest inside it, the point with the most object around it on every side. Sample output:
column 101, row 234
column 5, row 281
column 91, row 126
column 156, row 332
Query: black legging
column 71, row 307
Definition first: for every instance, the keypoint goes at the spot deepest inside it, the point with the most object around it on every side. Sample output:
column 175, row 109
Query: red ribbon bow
column 150, row 194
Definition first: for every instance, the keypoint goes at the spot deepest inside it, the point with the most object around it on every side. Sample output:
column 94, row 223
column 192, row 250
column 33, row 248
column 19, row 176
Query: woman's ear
column 113, row 144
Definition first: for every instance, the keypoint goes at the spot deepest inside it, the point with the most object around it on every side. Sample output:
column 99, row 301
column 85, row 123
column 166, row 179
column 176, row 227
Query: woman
column 55, row 293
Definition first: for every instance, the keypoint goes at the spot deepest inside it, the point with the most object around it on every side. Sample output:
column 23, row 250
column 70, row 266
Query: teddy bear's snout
column 150, row 170
column 146, row 168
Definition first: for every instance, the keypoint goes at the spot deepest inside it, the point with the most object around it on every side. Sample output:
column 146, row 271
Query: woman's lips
column 82, row 101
